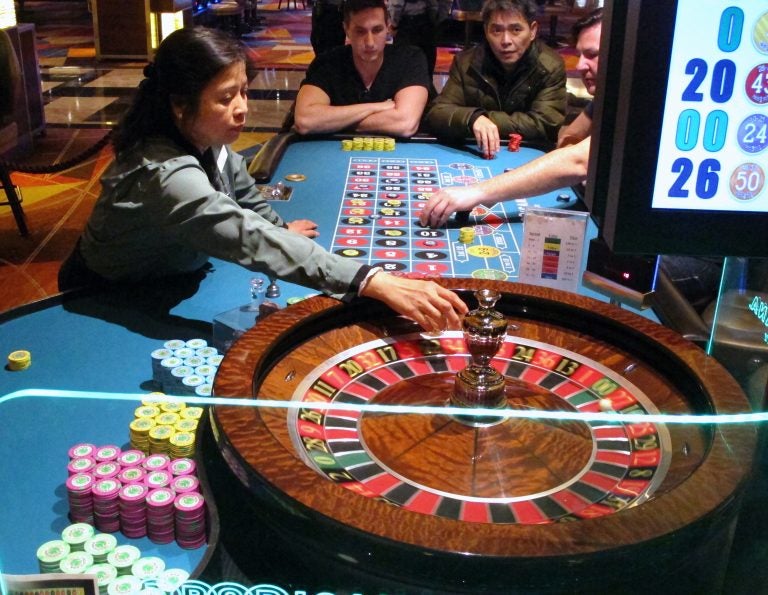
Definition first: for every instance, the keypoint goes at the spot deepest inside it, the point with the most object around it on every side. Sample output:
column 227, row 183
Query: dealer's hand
column 447, row 201
column 431, row 306
column 304, row 227
column 487, row 137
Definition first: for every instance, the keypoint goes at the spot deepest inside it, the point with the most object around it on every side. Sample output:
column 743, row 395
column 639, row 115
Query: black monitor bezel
column 626, row 137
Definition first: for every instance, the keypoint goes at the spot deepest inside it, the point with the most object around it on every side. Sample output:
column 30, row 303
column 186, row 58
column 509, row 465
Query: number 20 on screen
column 709, row 131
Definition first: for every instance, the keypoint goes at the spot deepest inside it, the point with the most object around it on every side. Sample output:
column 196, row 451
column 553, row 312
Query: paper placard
column 553, row 243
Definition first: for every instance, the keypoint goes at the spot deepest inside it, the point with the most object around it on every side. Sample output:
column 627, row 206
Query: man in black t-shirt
column 366, row 86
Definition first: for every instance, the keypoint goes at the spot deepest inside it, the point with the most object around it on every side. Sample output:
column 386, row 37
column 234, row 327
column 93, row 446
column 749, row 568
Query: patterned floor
column 84, row 98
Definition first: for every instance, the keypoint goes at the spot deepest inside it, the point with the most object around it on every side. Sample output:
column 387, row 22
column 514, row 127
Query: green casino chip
column 53, row 552
column 104, row 573
column 100, row 545
column 123, row 558
column 147, row 567
column 124, row 585
column 76, row 563
column 77, row 534
column 171, row 579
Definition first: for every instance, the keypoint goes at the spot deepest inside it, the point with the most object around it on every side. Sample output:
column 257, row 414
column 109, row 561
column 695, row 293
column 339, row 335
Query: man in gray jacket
column 510, row 83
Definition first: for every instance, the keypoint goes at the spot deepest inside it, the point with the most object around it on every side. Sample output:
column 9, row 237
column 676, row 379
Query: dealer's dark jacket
column 531, row 101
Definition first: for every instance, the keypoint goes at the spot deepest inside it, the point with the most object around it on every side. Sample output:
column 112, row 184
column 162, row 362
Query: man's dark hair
column 585, row 22
column 527, row 8
column 353, row 6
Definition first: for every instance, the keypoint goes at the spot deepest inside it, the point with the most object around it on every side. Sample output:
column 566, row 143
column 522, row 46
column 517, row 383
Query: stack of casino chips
column 514, row 141
column 76, row 534
column 467, row 235
column 68, row 554
column 135, row 493
column 100, row 546
column 189, row 520
column 76, row 563
column 123, row 557
column 368, row 143
column 106, row 505
column 185, row 367
column 160, row 520
column 148, row 568
column 19, row 360
column 50, row 554
column 80, row 497
column 132, row 506
column 118, row 568
column 165, row 427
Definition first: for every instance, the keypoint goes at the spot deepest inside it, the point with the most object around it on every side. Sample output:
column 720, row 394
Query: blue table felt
column 86, row 343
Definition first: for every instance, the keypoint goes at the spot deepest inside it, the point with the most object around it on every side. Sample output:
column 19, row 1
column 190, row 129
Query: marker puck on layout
column 295, row 177
column 19, row 360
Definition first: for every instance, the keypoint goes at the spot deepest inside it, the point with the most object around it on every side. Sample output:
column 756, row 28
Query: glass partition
column 340, row 449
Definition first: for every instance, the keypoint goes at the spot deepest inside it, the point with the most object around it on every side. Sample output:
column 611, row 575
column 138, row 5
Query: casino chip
column 171, row 579
column 295, row 177
column 123, row 557
column 50, row 555
column 467, row 235
column 105, row 574
column 99, row 546
column 124, row 584
column 368, row 143
column 148, row 567
column 19, row 360
column 76, row 534
column 76, row 562
column 514, row 142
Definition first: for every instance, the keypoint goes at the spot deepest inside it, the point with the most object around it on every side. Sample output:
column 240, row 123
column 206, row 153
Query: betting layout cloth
column 378, row 220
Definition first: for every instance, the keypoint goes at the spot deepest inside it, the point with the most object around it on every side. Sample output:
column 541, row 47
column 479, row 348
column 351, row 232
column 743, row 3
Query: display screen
column 714, row 136
column 679, row 149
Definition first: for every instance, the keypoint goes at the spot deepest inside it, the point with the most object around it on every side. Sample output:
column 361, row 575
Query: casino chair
column 288, row 4
column 10, row 76
column 228, row 15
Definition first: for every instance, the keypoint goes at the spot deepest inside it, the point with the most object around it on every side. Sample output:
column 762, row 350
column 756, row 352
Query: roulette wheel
column 534, row 502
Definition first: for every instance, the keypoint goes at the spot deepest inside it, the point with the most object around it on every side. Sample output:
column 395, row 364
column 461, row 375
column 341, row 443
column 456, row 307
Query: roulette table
column 304, row 525
column 366, row 202
column 531, row 504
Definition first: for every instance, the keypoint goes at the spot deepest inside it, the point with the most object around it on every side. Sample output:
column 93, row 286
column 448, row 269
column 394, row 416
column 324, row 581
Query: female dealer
column 177, row 194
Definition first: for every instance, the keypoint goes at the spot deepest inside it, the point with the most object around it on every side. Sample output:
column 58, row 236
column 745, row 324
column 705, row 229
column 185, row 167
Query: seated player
column 562, row 167
column 366, row 86
column 176, row 194
column 586, row 32
column 511, row 83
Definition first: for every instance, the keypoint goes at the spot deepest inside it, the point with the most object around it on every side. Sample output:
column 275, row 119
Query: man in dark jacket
column 511, row 83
